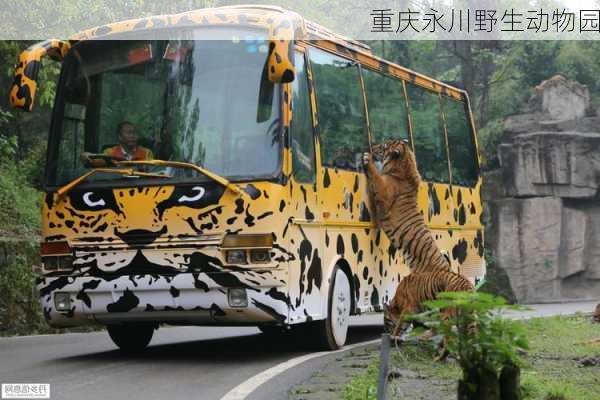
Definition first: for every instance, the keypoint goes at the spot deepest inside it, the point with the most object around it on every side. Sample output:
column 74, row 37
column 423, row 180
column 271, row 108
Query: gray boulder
column 549, row 247
column 544, row 224
column 565, row 164
column 560, row 99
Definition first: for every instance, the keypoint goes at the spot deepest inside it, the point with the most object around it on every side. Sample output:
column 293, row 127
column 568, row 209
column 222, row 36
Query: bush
column 19, row 309
column 19, row 203
column 485, row 345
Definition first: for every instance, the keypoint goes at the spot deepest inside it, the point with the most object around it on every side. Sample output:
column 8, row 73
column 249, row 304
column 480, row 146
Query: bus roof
column 265, row 16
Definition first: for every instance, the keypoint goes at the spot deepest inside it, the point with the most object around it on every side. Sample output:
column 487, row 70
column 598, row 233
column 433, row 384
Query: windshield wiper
column 163, row 163
column 126, row 171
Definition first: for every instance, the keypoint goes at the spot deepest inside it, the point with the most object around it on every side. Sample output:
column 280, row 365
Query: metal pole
column 384, row 359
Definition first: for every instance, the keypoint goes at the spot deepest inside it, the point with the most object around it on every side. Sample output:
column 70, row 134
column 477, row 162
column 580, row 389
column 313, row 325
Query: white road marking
column 246, row 388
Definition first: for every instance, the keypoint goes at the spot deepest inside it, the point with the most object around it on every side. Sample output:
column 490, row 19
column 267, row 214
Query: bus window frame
column 472, row 136
column 442, row 118
column 406, row 103
column 302, row 52
column 55, row 133
column 323, row 46
column 359, row 65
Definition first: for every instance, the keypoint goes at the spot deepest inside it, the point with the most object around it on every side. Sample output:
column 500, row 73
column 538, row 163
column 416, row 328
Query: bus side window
column 388, row 117
column 340, row 109
column 428, row 134
column 461, row 146
column 72, row 142
column 303, row 144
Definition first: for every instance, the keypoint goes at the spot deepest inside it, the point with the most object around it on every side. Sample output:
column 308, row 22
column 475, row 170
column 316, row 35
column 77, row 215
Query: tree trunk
column 510, row 382
column 489, row 387
column 479, row 384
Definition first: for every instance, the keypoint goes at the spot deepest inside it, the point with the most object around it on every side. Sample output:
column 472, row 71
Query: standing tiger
column 416, row 288
column 393, row 194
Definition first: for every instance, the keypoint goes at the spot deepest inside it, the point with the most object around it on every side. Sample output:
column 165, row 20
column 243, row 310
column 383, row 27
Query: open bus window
column 428, row 134
column 340, row 109
column 461, row 146
column 388, row 117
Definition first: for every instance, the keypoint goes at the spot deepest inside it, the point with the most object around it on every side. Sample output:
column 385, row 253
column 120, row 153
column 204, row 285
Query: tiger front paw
column 366, row 159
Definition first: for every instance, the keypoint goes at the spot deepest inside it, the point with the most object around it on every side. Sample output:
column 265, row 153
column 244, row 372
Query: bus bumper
column 185, row 299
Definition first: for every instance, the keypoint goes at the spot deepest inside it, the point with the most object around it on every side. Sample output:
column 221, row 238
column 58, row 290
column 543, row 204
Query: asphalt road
column 181, row 362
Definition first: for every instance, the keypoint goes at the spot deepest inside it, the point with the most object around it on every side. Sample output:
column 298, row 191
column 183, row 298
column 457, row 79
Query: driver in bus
column 128, row 148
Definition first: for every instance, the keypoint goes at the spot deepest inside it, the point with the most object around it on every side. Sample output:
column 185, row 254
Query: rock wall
column 544, row 203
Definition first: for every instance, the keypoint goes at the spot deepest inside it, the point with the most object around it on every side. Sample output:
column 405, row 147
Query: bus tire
column 131, row 338
column 330, row 333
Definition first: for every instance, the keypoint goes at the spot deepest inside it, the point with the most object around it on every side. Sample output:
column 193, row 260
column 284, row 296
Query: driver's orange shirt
column 139, row 154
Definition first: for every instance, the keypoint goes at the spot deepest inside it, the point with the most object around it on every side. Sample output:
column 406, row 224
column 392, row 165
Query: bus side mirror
column 24, row 87
column 280, row 63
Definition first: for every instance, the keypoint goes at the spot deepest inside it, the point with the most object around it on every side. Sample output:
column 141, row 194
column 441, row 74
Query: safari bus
column 192, row 181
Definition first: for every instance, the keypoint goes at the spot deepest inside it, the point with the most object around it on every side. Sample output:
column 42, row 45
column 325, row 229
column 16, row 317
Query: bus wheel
column 131, row 338
column 331, row 332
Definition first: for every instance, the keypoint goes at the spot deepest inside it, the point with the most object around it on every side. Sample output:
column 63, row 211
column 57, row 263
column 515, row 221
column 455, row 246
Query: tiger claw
column 366, row 158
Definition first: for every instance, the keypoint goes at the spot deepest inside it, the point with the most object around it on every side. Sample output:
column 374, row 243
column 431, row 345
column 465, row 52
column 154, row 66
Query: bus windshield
column 205, row 102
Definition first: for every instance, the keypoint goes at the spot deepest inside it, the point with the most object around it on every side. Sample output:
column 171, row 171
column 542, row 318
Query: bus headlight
column 56, row 256
column 237, row 298
column 260, row 256
column 58, row 263
column 236, row 257
column 62, row 301
column 247, row 248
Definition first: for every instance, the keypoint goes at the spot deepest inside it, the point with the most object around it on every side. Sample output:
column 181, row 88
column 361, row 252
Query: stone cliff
column 544, row 202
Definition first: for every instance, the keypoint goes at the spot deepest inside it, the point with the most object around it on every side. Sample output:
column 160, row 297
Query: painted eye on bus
column 91, row 202
column 195, row 194
column 99, row 199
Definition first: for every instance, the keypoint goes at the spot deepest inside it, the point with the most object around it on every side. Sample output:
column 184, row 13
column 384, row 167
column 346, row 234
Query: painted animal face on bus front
column 138, row 218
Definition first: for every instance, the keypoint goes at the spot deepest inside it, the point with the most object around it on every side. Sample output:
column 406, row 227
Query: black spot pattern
column 340, row 245
column 128, row 301
column 459, row 251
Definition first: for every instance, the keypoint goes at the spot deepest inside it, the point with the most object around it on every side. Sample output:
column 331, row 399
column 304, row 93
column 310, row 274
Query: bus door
column 306, row 273
column 350, row 240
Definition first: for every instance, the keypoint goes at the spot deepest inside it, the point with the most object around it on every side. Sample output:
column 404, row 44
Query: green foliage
column 19, row 310
column 476, row 335
column 19, row 204
column 363, row 387
column 550, row 370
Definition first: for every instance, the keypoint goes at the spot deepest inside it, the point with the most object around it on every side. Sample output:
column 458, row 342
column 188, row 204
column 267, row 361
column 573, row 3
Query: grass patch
column 364, row 386
column 552, row 368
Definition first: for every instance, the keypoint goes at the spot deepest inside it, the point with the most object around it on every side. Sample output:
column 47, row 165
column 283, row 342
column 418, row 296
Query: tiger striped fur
column 416, row 288
column 393, row 194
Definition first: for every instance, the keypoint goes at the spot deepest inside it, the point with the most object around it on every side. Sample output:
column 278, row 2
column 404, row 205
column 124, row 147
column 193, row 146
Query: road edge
column 246, row 388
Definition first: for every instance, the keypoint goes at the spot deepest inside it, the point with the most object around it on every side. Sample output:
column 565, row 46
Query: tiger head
column 391, row 320
column 397, row 160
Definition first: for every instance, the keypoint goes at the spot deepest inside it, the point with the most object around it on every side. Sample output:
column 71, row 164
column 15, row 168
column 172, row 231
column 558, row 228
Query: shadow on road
column 235, row 350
